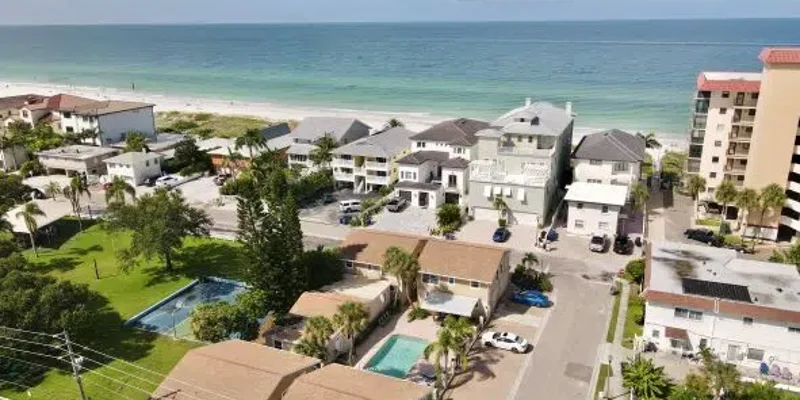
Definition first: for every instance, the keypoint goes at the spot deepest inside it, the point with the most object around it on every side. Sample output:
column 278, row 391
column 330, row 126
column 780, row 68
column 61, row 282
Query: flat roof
column 320, row 304
column 449, row 303
column 597, row 193
column 338, row 382
column 132, row 157
column 53, row 209
column 77, row 152
column 692, row 270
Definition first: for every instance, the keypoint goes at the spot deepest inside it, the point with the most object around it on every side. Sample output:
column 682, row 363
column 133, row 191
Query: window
column 595, row 162
column 579, row 224
column 595, row 180
column 278, row 344
column 155, row 162
column 710, row 190
column 676, row 343
column 794, row 329
column 723, row 110
column 754, row 96
column 717, row 143
column 620, row 167
column 519, row 138
column 451, row 280
column 147, row 163
column 474, row 284
column 725, row 95
column 656, row 333
column 604, row 210
column 747, row 321
column 432, row 279
column 715, row 159
column 755, row 354
column 421, row 145
column 67, row 115
column 459, row 150
column 751, row 112
column 749, row 129
column 530, row 139
column 24, row 113
column 602, row 226
column 688, row 314
column 70, row 129
column 579, row 206
column 703, row 343
column 712, row 175
column 348, row 264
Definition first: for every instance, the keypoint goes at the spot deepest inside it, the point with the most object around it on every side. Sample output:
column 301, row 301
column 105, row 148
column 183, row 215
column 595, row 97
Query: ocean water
column 627, row 74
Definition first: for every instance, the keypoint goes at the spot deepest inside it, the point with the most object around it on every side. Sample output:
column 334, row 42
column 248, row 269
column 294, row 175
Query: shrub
column 530, row 279
column 634, row 270
column 725, row 228
column 707, row 222
column 386, row 190
column 183, row 125
column 417, row 313
column 501, row 222
column 448, row 217
column 202, row 117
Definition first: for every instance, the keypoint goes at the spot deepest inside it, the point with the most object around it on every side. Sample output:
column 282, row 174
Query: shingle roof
column 369, row 246
column 15, row 102
column 461, row 260
column 106, row 107
column 320, row 304
column 419, row 157
column 338, row 382
column 539, row 118
column 456, row 162
column 275, row 131
column 132, row 157
column 234, row 369
column 611, row 145
column 785, row 55
column 313, row 128
column 386, row 144
column 729, row 81
column 460, row 132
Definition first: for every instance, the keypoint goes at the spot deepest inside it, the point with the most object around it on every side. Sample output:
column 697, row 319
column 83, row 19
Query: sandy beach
column 272, row 111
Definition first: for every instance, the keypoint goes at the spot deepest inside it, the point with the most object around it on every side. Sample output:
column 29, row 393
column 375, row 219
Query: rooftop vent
column 535, row 121
column 780, row 290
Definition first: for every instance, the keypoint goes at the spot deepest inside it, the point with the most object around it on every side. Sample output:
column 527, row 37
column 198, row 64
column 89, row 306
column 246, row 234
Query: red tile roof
column 730, row 85
column 780, row 56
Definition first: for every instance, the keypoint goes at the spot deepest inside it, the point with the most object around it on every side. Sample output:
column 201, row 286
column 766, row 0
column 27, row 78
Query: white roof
column 598, row 193
column 449, row 303
column 132, row 157
column 53, row 209
column 731, row 76
column 362, row 288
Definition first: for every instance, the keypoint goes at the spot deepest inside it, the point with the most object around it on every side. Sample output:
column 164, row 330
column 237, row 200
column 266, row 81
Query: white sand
column 273, row 111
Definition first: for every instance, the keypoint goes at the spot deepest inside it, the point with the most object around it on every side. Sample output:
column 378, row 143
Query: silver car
column 396, row 204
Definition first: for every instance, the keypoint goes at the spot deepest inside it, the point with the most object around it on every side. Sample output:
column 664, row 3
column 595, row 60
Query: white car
column 167, row 181
column 505, row 341
column 348, row 206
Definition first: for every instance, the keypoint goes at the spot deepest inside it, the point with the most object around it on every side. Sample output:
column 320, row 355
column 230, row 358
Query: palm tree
column 500, row 205
column 136, row 141
column 351, row 318
column 530, row 259
column 650, row 140
column 393, row 123
column 438, row 352
column 5, row 226
column 118, row 189
column 52, row 189
column 695, row 184
column 771, row 198
column 725, row 194
column 746, row 201
column 461, row 330
column 404, row 266
column 322, row 155
column 252, row 139
column 317, row 333
column 645, row 380
column 10, row 142
column 28, row 214
column 73, row 193
column 722, row 377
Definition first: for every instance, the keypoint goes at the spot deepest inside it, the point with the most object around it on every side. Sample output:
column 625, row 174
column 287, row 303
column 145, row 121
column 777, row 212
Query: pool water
column 173, row 314
column 396, row 357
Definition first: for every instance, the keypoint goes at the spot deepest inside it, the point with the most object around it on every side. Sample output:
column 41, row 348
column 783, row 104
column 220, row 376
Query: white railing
column 379, row 180
column 376, row 165
column 338, row 162
column 342, row 176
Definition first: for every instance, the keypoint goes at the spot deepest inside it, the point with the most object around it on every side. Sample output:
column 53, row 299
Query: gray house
column 369, row 163
column 312, row 129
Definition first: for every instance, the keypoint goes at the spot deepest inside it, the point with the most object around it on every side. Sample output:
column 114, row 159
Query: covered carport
column 449, row 303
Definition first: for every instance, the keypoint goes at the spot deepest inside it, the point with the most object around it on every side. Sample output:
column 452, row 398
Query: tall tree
column 461, row 329
column 672, row 165
column 28, row 214
column 722, row 377
column 76, row 189
column 726, row 194
column 351, row 319
column 650, row 140
column 645, row 380
column 695, row 184
column 136, row 141
column 316, row 335
column 500, row 205
column 440, row 352
column 746, row 201
column 322, row 155
column 52, row 189
column 771, row 198
column 12, row 190
column 640, row 196
column 251, row 139
column 160, row 222
column 218, row 321
column 118, row 190
column 404, row 267
column 189, row 159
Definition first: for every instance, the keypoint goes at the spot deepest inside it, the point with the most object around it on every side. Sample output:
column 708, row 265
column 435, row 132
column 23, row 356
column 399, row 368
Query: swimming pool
column 396, row 357
column 171, row 315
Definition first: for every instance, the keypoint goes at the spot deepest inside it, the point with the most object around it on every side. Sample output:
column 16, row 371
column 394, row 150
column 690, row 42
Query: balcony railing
column 379, row 180
column 376, row 165
column 735, row 169
column 738, row 153
column 340, row 162
column 342, row 176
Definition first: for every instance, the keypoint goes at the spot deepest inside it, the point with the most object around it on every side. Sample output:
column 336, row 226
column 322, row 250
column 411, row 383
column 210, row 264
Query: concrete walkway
column 614, row 353
column 656, row 216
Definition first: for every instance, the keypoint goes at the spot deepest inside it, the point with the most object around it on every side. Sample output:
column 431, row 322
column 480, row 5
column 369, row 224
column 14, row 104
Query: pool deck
column 424, row 329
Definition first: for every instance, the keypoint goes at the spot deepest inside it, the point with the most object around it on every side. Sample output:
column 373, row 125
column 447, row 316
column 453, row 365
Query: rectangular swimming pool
column 396, row 357
column 171, row 315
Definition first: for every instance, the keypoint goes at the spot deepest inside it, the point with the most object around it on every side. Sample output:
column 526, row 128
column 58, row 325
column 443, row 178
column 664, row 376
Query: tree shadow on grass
column 212, row 258
column 62, row 231
column 60, row 264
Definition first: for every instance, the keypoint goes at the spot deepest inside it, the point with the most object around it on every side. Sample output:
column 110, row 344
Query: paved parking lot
column 329, row 213
column 411, row 220
column 522, row 236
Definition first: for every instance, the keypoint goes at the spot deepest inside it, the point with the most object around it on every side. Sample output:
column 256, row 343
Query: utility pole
column 76, row 372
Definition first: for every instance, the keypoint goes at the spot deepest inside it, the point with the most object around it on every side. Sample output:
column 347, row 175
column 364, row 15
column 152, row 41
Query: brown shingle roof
column 66, row 102
column 369, row 246
column 108, row 107
column 459, row 132
column 16, row 102
column 232, row 369
column 461, row 260
column 337, row 382
column 320, row 304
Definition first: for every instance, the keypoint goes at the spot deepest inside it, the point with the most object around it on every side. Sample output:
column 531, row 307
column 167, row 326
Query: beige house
column 363, row 250
column 338, row 382
column 234, row 369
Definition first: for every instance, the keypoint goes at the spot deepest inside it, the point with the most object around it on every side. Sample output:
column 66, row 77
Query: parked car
column 396, row 204
column 167, row 181
column 598, row 244
column 348, row 206
column 710, row 207
column 328, row 198
column 741, row 248
column 220, row 179
column 345, row 219
column 501, row 235
column 37, row 194
column 705, row 236
column 623, row 245
column 150, row 182
column 531, row 298
column 505, row 341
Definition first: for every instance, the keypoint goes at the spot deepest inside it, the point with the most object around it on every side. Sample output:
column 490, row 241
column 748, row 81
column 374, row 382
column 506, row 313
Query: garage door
column 404, row 194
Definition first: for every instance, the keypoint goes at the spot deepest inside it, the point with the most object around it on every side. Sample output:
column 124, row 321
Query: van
column 347, row 206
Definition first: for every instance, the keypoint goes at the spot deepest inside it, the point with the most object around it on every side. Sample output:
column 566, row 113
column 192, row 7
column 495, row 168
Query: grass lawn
column 124, row 295
column 605, row 372
column 612, row 326
column 708, row 221
column 208, row 124
column 635, row 311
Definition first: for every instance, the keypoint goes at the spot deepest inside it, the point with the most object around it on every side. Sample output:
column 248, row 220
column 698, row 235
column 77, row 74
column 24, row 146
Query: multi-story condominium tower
column 745, row 128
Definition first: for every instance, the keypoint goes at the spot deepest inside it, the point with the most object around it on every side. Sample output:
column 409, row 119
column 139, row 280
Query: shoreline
column 272, row 111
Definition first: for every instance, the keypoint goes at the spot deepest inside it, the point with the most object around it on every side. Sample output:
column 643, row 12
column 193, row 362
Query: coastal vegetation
column 205, row 125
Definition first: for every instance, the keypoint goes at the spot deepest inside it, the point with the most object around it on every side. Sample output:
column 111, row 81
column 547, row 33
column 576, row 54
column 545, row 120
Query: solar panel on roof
column 716, row 289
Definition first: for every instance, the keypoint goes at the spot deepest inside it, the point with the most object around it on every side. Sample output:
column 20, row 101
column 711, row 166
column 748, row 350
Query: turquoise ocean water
column 629, row 74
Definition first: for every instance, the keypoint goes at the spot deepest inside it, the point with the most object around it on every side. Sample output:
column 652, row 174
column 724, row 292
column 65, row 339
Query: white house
column 134, row 166
column 80, row 159
column 747, row 312
column 524, row 158
column 594, row 208
column 369, row 163
column 312, row 129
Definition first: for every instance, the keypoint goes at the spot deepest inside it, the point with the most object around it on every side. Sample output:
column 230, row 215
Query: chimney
column 527, row 101
column 568, row 108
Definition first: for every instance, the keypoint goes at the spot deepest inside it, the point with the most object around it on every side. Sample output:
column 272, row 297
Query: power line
column 89, row 371
column 32, row 352
column 31, row 342
column 27, row 388
column 36, row 365
column 112, row 391
column 31, row 332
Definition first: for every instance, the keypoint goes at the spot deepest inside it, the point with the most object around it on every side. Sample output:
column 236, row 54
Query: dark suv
column 623, row 245
column 705, row 236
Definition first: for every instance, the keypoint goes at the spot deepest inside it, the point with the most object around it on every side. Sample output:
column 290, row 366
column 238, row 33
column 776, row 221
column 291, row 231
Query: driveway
column 522, row 236
column 411, row 220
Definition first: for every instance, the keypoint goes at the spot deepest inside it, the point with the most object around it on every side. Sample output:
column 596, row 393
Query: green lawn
column 635, row 312
column 708, row 221
column 605, row 372
column 612, row 326
column 125, row 294
column 214, row 124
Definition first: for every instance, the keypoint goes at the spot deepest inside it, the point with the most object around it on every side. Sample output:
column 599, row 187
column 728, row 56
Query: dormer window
column 520, row 119
column 535, row 121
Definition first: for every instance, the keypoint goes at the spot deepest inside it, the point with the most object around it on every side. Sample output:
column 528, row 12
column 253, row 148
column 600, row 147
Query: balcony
column 743, row 118
column 736, row 182
column 699, row 122
column 735, row 169
column 376, row 165
column 695, row 151
column 340, row 162
column 359, row 170
column 797, row 150
column 342, row 176
column 745, row 101
column 524, row 151
column 796, row 168
column 378, row 180
column 738, row 150
column 790, row 222
column 794, row 186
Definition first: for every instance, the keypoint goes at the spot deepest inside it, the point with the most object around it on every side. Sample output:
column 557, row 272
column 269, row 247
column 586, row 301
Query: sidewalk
column 613, row 353
column 656, row 216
